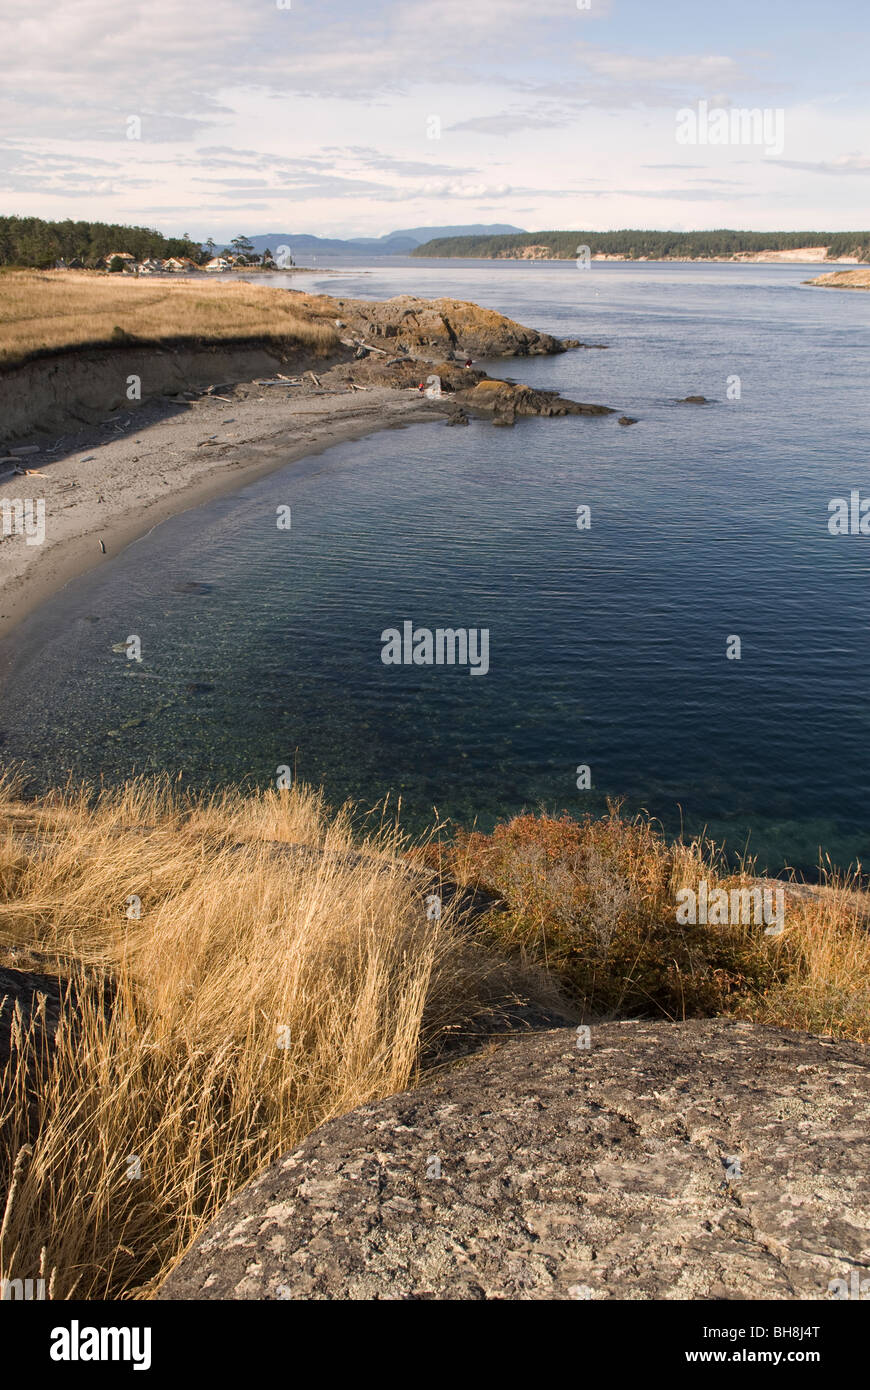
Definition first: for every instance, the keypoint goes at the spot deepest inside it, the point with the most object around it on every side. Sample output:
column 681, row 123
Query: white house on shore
column 152, row 265
column 173, row 265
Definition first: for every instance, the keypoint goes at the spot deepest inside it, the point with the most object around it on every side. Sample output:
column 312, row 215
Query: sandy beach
column 235, row 380
column 113, row 482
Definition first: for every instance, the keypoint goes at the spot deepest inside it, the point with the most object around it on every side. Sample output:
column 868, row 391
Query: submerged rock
column 698, row 1160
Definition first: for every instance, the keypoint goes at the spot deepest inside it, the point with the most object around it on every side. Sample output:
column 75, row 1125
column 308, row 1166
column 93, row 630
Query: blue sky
column 345, row 118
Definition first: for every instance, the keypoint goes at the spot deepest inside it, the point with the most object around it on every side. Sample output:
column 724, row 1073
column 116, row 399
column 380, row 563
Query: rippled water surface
column 262, row 647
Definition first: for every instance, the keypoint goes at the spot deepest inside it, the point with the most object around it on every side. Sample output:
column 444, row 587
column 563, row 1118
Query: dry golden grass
column 236, row 952
column 595, row 902
column 44, row 311
column 167, row 1086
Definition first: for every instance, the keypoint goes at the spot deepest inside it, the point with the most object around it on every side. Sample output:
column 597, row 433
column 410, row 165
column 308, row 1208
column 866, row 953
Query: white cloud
column 319, row 115
column 843, row 164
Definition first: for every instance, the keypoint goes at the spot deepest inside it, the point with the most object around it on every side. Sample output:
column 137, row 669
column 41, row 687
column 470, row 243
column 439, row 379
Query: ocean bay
column 608, row 645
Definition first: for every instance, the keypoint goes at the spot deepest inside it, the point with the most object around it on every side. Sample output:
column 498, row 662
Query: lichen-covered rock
column 470, row 388
column 698, row 1160
column 440, row 326
column 508, row 400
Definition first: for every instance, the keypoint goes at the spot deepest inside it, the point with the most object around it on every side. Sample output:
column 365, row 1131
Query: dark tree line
column 29, row 241
column 654, row 245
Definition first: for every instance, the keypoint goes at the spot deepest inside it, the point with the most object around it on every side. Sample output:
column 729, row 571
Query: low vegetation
column 242, row 968
column 48, row 311
column 594, row 902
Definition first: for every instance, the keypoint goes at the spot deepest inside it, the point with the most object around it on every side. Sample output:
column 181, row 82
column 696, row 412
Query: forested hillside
column 29, row 241
column 654, row 245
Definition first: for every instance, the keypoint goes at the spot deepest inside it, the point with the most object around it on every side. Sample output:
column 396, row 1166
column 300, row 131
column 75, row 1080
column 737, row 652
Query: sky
column 342, row 119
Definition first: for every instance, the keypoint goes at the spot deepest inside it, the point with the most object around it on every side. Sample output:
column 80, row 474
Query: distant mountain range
column 400, row 243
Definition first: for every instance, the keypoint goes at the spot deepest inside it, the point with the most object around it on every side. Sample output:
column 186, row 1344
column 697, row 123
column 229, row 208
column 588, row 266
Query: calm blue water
column 607, row 647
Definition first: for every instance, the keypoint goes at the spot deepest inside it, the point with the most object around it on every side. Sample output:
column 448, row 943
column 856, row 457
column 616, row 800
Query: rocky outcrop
column 699, row 1160
column 424, row 326
column 453, row 387
column 396, row 341
column 507, row 400
column 843, row 280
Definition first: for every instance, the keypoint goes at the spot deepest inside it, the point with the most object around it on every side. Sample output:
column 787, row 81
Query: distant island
column 640, row 245
column 32, row 243
column 35, row 244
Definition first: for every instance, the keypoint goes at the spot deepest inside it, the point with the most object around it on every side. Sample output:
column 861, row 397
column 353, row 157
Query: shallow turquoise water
column 262, row 647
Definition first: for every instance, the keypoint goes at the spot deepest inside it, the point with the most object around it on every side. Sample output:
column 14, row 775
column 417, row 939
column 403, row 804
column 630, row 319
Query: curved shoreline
column 137, row 479
column 212, row 414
